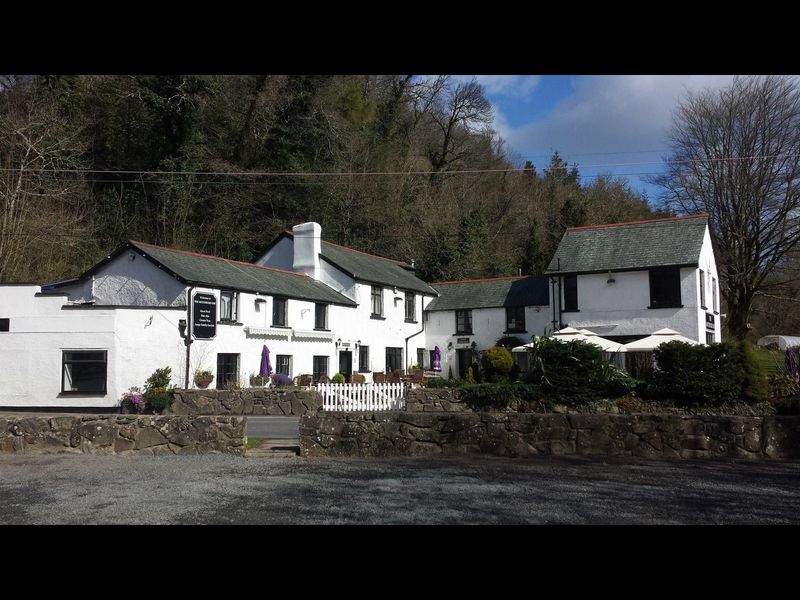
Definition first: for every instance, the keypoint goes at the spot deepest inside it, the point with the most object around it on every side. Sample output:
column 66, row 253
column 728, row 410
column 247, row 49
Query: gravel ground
column 219, row 489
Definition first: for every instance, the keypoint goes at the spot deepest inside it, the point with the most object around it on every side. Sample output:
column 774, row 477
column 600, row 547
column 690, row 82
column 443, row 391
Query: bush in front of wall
column 338, row 378
column 755, row 387
column 156, row 390
column 574, row 370
column 694, row 374
column 477, row 374
column 497, row 363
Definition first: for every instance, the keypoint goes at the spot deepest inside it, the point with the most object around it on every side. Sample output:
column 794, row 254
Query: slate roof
column 370, row 268
column 220, row 272
column 490, row 293
column 630, row 246
column 217, row 272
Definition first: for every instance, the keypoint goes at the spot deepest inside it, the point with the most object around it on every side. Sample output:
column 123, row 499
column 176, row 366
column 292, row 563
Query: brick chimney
column 307, row 246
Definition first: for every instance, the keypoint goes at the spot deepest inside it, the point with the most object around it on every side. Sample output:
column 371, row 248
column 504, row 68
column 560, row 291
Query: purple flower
column 138, row 402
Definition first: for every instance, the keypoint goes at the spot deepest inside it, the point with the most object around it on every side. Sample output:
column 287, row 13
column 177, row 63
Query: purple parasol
column 266, row 368
column 437, row 360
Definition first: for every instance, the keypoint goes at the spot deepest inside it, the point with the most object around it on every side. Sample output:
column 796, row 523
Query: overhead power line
column 383, row 173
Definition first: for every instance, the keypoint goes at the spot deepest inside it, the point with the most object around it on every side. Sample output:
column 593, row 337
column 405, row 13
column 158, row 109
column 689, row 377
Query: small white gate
column 362, row 396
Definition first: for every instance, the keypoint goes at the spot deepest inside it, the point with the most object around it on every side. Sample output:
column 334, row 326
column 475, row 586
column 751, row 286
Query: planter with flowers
column 257, row 380
column 203, row 378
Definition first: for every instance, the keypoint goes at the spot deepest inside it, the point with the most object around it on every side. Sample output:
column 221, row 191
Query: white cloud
column 607, row 114
column 515, row 86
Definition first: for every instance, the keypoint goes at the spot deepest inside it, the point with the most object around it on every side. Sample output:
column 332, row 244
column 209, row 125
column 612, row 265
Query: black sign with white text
column 204, row 316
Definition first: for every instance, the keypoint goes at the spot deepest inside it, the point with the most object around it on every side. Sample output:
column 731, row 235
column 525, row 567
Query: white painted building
column 86, row 341
column 472, row 315
column 626, row 280
column 322, row 308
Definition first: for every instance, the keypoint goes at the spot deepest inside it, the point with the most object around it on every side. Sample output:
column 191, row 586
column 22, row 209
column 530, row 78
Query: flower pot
column 257, row 381
column 203, row 381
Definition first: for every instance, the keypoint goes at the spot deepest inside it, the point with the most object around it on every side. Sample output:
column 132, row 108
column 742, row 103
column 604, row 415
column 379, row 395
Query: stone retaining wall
column 398, row 433
column 246, row 402
column 123, row 434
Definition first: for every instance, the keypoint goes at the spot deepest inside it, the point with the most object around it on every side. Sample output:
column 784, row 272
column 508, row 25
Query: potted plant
column 338, row 378
column 203, row 377
column 257, row 381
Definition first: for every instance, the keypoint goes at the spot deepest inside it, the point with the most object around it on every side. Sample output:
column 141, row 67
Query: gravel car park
column 219, row 489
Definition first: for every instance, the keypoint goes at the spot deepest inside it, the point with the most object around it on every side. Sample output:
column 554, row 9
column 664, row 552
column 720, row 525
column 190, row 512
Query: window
column 279, row 312
column 570, row 293
column 702, row 289
column 714, row 304
column 464, row 322
column 5, row 324
column 377, row 301
column 363, row 359
column 394, row 359
column 709, row 337
column 227, row 369
column 228, row 306
column 411, row 307
column 320, row 367
column 665, row 287
column 421, row 358
column 84, row 371
column 515, row 319
column 321, row 316
column 283, row 364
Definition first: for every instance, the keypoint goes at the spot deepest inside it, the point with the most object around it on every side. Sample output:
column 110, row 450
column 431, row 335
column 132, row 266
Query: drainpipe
column 553, row 300
column 415, row 335
column 188, row 336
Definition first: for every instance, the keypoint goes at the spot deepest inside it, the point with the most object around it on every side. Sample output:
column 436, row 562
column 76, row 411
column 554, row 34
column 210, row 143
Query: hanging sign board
column 204, row 316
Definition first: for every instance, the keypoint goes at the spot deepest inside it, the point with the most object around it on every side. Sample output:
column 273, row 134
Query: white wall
column 621, row 308
column 137, row 342
column 488, row 325
column 280, row 256
column 709, row 267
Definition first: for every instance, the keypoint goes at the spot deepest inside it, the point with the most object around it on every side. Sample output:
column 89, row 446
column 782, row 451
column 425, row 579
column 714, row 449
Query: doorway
column 346, row 364
column 464, row 362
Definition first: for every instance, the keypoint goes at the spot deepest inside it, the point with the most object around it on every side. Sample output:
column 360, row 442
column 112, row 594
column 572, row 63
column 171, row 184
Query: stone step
column 275, row 449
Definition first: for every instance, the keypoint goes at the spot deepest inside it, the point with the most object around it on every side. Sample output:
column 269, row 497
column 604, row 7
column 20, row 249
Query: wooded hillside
column 77, row 155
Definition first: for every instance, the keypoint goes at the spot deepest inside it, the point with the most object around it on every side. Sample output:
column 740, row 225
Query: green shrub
column 498, row 396
column 338, row 378
column 477, row 373
column 574, row 370
column 695, row 374
column 755, row 387
column 497, row 363
column 157, row 390
column 159, row 379
column 470, row 378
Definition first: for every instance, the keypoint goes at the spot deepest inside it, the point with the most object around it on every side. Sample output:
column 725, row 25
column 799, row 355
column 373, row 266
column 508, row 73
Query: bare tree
column 40, row 201
column 463, row 110
column 736, row 156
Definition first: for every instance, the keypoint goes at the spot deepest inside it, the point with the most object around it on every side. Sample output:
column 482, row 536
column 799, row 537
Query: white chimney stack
column 307, row 246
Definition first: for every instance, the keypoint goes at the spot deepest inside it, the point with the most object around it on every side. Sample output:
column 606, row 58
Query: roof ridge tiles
column 220, row 258
column 642, row 222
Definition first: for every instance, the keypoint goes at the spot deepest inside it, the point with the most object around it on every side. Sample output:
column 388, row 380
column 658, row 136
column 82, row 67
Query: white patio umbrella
column 570, row 333
column 659, row 337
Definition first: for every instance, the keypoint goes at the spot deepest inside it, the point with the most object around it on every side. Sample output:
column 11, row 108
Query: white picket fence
column 362, row 396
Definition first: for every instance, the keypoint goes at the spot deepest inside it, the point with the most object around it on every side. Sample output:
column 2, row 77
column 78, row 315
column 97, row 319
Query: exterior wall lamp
column 338, row 342
column 182, row 327
column 610, row 280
